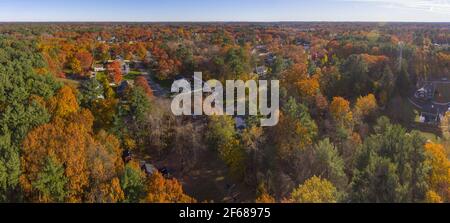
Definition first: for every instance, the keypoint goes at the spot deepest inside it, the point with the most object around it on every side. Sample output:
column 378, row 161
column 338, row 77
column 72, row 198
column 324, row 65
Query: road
column 158, row 90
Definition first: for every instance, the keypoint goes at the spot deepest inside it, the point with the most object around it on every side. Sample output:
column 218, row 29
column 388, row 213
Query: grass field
column 132, row 75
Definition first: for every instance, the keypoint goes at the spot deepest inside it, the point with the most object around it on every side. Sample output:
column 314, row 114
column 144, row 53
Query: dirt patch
column 209, row 180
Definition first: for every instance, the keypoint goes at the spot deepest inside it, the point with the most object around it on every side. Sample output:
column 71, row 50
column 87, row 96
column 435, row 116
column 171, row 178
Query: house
column 270, row 59
column 124, row 64
column 301, row 42
column 124, row 86
column 426, row 92
column 261, row 71
column 240, row 123
column 99, row 68
column 429, row 118
column 149, row 169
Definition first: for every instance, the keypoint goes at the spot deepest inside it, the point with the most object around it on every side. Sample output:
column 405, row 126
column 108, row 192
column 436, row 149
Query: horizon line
column 230, row 21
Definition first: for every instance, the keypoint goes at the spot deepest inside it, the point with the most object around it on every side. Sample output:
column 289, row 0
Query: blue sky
column 225, row 10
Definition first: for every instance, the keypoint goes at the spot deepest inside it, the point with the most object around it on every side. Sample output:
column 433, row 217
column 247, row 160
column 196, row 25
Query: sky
column 225, row 10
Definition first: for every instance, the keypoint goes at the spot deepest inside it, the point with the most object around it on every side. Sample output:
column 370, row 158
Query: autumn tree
column 264, row 197
column 296, row 129
column 142, row 82
column 64, row 103
column 439, row 178
column 91, row 163
column 23, row 96
column 67, row 142
column 445, row 126
column 341, row 112
column 315, row 190
column 365, row 106
column 308, row 87
column 75, row 66
column 115, row 72
column 85, row 60
column 161, row 190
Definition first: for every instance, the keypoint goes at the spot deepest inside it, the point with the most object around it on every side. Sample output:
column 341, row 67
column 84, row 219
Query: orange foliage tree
column 161, row 190
column 115, row 72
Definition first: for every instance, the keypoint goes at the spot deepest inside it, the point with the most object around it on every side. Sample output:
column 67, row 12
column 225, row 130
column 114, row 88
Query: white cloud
column 438, row 6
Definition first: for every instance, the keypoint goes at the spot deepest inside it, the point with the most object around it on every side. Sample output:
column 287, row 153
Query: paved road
column 158, row 90
column 429, row 106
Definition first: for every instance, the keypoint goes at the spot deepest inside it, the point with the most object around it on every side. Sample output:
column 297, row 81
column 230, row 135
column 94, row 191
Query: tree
column 91, row 91
column 433, row 197
column 265, row 198
column 160, row 190
column 221, row 135
column 315, row 190
column 142, row 82
column 91, row 163
column 133, row 183
column 67, row 142
column 445, row 126
column 64, row 103
column 75, row 66
column 439, row 178
column 329, row 165
column 403, row 83
column 309, row 87
column 139, row 103
column 340, row 111
column 387, row 85
column 105, row 113
column 115, row 72
column 391, row 166
column 51, row 182
column 355, row 77
column 296, row 130
column 23, row 95
column 85, row 60
column 365, row 106
column 108, row 192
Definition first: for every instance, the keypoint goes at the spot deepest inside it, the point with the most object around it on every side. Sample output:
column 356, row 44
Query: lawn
column 132, row 75
column 431, row 136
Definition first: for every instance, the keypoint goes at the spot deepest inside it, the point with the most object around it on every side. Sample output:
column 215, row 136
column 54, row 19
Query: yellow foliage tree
column 308, row 87
column 265, row 198
column 366, row 105
column 340, row 111
column 433, row 197
column 440, row 170
column 315, row 190
column 445, row 126
column 64, row 102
